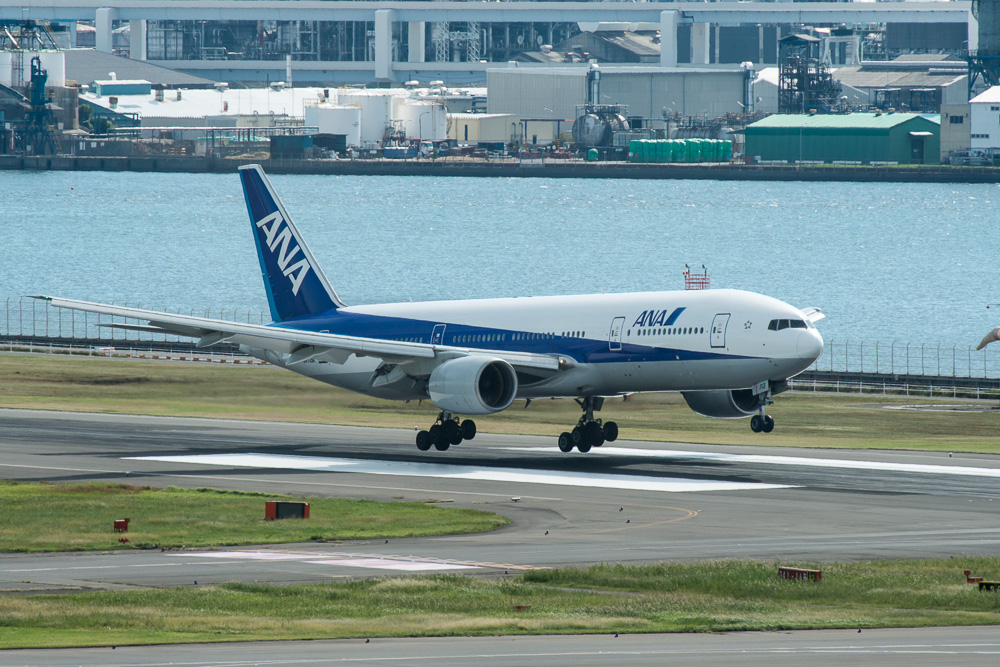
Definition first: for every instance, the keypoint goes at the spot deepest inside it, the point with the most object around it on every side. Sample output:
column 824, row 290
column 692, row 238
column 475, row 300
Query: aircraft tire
column 583, row 446
column 442, row 445
column 593, row 434
column 768, row 424
column 468, row 429
column 423, row 441
column 565, row 442
column 451, row 432
column 435, row 433
column 756, row 424
column 576, row 436
column 610, row 431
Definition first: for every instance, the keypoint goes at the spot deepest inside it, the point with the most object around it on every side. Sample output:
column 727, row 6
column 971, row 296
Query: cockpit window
column 778, row 325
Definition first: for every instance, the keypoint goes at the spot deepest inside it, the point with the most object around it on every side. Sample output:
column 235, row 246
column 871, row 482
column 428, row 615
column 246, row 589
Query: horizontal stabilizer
column 813, row 314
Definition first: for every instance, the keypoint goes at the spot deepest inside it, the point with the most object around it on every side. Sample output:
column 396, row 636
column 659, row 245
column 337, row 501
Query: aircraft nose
column 810, row 345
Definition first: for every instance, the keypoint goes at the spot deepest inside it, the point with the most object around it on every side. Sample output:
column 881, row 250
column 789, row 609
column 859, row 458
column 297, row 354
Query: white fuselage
column 611, row 343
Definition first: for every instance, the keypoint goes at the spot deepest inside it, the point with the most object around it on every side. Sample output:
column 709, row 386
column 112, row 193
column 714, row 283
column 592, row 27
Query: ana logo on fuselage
column 657, row 318
column 277, row 234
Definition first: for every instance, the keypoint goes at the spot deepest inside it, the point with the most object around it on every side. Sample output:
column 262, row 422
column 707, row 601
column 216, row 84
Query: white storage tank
column 423, row 120
column 6, row 57
column 52, row 61
column 376, row 112
column 335, row 119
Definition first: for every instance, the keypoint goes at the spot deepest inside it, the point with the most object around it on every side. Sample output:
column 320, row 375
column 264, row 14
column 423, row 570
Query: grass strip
column 70, row 517
column 715, row 596
column 254, row 392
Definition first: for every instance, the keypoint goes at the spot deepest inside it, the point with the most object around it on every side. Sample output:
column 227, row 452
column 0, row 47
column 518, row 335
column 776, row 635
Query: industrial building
column 984, row 121
column 649, row 93
column 372, row 41
column 955, row 134
column 857, row 138
column 918, row 82
column 766, row 86
column 475, row 128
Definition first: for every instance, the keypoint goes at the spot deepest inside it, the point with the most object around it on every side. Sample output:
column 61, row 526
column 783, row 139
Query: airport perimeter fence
column 34, row 325
column 890, row 367
column 901, row 358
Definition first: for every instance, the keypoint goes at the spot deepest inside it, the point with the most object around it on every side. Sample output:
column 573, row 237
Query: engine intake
column 723, row 404
column 474, row 385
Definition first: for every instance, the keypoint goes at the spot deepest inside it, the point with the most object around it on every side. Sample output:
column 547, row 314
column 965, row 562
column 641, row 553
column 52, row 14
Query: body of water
column 904, row 262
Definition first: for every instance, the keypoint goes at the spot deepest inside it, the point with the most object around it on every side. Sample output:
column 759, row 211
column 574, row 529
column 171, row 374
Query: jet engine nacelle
column 475, row 385
column 724, row 403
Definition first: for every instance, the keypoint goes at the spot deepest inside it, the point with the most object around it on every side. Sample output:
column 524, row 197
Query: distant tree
column 92, row 122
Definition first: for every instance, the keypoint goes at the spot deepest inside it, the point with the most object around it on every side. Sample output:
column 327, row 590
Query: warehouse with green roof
column 866, row 138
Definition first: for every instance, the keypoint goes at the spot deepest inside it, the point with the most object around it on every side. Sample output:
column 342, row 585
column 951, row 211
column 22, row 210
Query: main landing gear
column 445, row 432
column 588, row 432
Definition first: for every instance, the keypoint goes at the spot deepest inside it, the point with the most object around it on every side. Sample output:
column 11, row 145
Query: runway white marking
column 250, row 555
column 385, row 564
column 784, row 460
column 370, row 562
column 448, row 471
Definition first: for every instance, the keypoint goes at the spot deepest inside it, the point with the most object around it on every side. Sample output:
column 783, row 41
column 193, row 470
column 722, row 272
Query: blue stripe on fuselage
column 582, row 350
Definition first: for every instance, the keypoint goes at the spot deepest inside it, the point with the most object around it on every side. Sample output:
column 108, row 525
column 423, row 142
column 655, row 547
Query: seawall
column 472, row 167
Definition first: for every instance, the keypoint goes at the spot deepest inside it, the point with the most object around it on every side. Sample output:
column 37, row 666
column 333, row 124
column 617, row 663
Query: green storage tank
column 661, row 151
column 694, row 150
column 727, row 150
column 592, row 155
column 682, row 151
column 633, row 149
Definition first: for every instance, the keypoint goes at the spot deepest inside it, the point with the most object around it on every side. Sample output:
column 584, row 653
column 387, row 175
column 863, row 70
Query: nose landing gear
column 445, row 432
column 588, row 432
column 760, row 421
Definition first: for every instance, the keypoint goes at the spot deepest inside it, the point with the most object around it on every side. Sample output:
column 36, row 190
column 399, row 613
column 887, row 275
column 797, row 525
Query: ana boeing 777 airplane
column 726, row 351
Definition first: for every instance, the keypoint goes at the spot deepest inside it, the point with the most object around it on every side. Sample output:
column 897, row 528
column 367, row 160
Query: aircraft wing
column 301, row 345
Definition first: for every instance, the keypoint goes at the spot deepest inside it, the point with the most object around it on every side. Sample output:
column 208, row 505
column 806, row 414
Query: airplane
column 727, row 351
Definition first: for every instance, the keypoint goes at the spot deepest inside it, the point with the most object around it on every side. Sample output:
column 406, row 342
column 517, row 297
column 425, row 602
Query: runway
column 631, row 502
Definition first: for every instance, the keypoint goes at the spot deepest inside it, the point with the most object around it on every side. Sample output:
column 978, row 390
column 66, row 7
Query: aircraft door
column 437, row 335
column 615, row 335
column 719, row 325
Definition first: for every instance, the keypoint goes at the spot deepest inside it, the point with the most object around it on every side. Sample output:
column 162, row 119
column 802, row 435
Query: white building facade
column 984, row 120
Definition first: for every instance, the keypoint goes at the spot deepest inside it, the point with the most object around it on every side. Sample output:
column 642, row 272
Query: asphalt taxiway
column 903, row 647
column 627, row 502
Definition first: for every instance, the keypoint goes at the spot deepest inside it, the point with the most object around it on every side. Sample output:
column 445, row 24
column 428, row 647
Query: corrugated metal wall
column 859, row 144
column 544, row 93
column 536, row 93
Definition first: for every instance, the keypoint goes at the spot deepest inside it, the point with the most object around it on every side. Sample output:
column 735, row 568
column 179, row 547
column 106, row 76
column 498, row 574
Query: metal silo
column 985, row 60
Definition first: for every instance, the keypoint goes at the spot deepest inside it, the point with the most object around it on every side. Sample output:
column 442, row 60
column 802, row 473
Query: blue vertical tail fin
column 294, row 282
